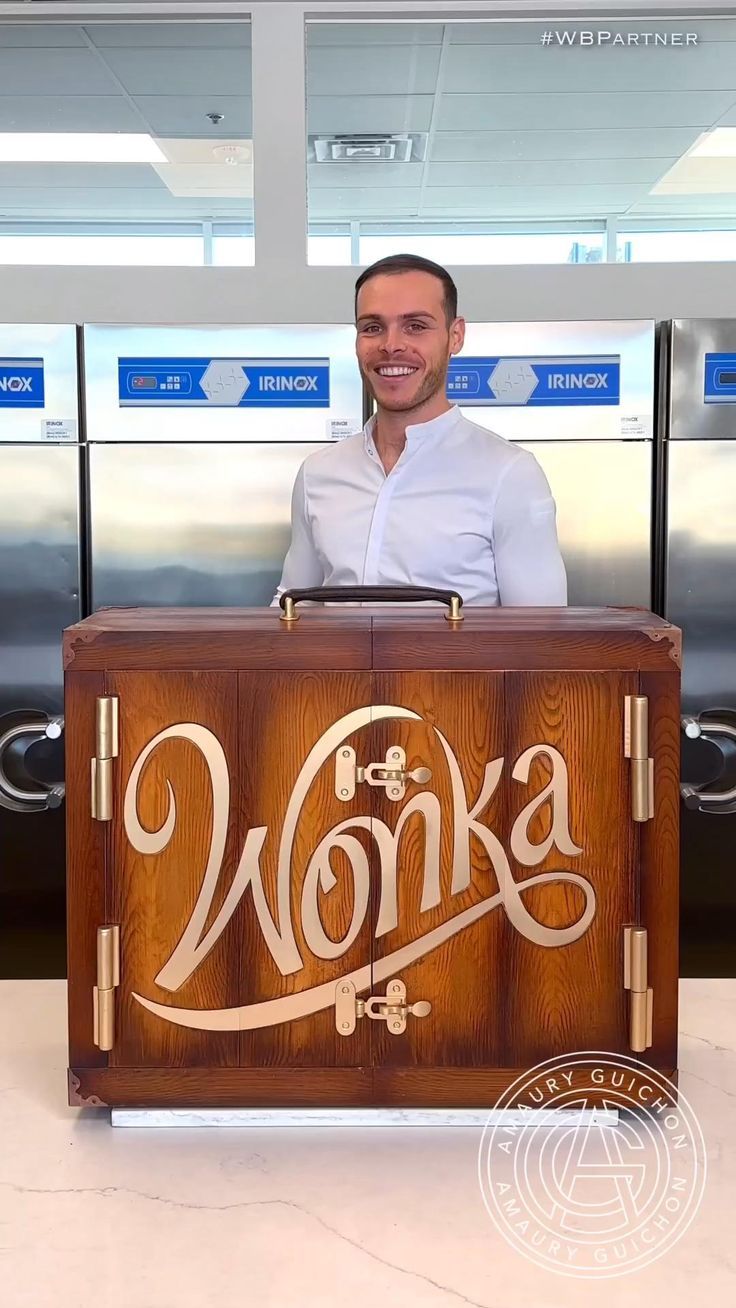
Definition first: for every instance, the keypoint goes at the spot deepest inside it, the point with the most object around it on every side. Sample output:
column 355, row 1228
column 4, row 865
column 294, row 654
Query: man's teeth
column 396, row 372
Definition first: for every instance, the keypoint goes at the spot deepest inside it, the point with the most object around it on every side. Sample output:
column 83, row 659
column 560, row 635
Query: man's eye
column 369, row 328
column 418, row 326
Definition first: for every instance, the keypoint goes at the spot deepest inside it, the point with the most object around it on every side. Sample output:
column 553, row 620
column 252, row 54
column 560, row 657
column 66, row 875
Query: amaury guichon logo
column 589, row 1200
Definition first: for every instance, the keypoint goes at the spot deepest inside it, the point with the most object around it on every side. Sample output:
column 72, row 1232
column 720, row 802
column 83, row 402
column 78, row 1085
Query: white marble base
column 353, row 1117
column 302, row 1218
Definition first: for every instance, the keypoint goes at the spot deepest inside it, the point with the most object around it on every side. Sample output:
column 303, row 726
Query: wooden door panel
column 153, row 893
column 571, row 996
column 287, row 786
column 462, row 976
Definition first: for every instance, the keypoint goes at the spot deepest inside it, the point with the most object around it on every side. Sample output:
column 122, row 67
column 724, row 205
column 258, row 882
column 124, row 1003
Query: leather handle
column 370, row 595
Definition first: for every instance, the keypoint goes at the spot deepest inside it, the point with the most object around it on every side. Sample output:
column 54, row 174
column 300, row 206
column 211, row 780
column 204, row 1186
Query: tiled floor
column 292, row 1218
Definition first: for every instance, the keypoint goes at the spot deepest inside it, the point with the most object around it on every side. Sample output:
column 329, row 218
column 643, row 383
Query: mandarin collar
column 419, row 431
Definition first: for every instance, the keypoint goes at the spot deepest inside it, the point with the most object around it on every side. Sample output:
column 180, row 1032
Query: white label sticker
column 59, row 429
column 634, row 425
column 338, row 428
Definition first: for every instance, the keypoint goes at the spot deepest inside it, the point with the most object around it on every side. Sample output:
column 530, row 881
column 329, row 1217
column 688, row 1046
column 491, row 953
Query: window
column 505, row 142
column 124, row 143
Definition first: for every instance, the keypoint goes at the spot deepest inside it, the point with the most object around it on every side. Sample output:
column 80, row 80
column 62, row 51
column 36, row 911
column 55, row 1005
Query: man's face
column 403, row 342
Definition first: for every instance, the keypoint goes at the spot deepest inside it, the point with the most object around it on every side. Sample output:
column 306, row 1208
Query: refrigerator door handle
column 15, row 797
column 717, row 731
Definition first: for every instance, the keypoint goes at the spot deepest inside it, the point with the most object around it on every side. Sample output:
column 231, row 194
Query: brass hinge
column 392, row 774
column 108, row 979
column 636, row 747
column 106, row 749
column 642, row 996
column 391, row 1008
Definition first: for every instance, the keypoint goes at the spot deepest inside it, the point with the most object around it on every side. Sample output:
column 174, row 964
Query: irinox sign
column 224, row 383
column 21, row 384
column 511, row 380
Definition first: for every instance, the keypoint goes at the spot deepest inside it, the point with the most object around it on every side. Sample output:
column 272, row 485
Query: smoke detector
column 365, row 147
column 231, row 154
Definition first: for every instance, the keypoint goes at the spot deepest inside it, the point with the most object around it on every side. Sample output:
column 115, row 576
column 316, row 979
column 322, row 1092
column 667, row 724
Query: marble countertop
column 292, row 1217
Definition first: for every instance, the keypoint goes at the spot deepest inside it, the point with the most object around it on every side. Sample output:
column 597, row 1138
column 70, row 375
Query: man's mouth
column 395, row 370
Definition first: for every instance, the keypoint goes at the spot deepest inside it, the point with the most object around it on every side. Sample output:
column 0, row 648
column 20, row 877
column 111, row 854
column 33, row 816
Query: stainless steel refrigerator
column 39, row 596
column 195, row 438
column 581, row 397
column 700, row 596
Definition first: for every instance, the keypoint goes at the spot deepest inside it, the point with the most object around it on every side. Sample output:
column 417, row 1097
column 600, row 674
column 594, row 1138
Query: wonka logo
column 277, row 929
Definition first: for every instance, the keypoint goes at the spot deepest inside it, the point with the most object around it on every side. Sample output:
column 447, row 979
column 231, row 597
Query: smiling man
column 422, row 496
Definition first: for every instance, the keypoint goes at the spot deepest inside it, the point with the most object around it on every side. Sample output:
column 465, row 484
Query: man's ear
column 457, row 336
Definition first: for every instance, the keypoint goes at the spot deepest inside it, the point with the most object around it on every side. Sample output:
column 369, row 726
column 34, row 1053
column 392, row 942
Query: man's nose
column 393, row 341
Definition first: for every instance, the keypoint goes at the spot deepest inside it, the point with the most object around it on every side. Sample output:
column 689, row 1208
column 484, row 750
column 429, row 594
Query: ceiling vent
column 364, row 147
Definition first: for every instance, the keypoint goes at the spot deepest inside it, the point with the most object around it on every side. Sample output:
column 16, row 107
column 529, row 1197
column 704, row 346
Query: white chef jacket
column 462, row 509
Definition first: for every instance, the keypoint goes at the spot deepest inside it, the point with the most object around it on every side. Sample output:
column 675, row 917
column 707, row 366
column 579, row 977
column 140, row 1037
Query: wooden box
column 289, row 840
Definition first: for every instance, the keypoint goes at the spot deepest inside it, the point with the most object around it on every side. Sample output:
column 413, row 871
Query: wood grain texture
column 85, row 864
column 152, row 895
column 463, row 978
column 220, row 1087
column 568, row 998
column 455, row 1087
column 403, row 638
column 282, row 717
column 340, row 1087
column 485, row 649
column 218, row 639
column 660, row 863
column 506, row 680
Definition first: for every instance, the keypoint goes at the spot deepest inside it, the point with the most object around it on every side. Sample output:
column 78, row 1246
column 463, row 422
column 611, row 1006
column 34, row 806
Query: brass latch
column 108, row 979
column 636, row 747
column 106, row 749
column 390, row 1008
column 642, row 997
column 392, row 774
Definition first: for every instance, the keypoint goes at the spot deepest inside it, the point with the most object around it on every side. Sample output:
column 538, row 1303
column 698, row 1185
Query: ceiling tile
column 614, row 143
column 639, row 109
column 550, row 172
column 331, row 114
column 539, row 201
column 55, row 176
column 371, row 34
column 26, row 72
column 538, row 69
column 67, row 113
column 187, row 115
column 335, row 176
column 174, row 35
column 51, row 35
column 392, row 70
column 182, row 72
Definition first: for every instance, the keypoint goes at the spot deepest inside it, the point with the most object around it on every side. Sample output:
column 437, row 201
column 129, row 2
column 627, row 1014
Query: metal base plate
column 360, row 1117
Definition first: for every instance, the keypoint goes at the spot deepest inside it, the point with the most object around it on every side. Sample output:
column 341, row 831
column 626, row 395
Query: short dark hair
column 399, row 263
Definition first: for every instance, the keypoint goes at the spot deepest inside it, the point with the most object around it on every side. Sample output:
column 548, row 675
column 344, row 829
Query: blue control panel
column 225, row 383
column 720, row 379
column 21, row 384
column 515, row 380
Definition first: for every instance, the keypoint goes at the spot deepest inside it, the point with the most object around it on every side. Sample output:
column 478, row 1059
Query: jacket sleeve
column 529, row 565
column 301, row 565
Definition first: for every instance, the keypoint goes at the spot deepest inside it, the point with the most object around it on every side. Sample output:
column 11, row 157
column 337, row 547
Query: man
column 422, row 496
